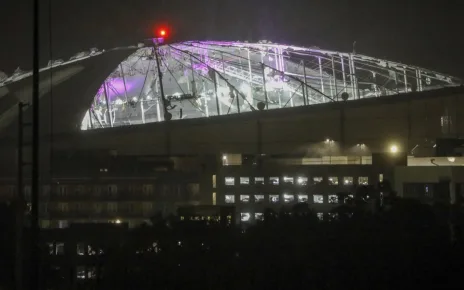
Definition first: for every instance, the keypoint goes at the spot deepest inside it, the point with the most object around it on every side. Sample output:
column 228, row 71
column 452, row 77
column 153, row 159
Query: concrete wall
column 405, row 120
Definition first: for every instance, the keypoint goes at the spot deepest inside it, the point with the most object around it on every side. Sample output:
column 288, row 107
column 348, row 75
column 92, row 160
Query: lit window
column 380, row 177
column 80, row 272
column 259, row 180
column 259, row 198
column 80, row 249
column 59, row 248
column 288, row 180
column 91, row 273
column 244, row 198
column 333, row 199
column 274, row 180
column 302, row 198
column 317, row 180
column 230, row 181
column 320, row 216
column 259, row 216
column 63, row 224
column 333, row 216
column 230, row 198
column 302, row 180
column 363, row 180
column 318, row 198
column 214, row 181
column 273, row 198
column 348, row 180
column 245, row 216
column 288, row 198
column 333, row 180
column 244, row 180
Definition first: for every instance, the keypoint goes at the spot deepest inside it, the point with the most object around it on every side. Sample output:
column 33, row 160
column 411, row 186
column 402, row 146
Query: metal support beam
column 343, row 72
column 218, row 108
column 305, row 88
column 334, row 76
column 321, row 75
column 405, row 80
column 107, row 100
column 160, row 78
column 264, row 86
column 124, row 82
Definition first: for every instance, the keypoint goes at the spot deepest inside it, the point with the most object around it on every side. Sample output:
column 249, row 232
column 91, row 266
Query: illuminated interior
column 208, row 78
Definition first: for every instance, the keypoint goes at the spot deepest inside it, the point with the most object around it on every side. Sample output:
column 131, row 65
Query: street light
column 393, row 149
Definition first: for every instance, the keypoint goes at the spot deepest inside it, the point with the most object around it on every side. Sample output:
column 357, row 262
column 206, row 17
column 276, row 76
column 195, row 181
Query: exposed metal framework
column 209, row 78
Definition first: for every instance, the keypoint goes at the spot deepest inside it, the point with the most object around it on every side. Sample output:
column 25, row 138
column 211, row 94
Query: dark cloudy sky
column 422, row 32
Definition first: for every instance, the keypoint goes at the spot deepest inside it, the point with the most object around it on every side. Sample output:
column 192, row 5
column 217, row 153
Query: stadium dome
column 210, row 78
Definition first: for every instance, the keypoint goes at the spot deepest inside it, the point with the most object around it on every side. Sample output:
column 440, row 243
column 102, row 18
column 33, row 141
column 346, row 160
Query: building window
column 363, row 180
column 244, row 198
column 229, row 181
column 259, row 216
column 288, row 198
column 91, row 272
column 63, row 206
column 333, row 199
column 147, row 189
column 112, row 207
column 333, row 216
column 62, row 224
column 302, row 198
column 273, row 198
column 320, row 216
column 348, row 180
column 288, row 180
column 230, row 198
column 259, row 180
column 214, row 180
column 259, row 198
column 274, row 180
column 302, row 180
column 56, row 248
column 80, row 249
column 318, row 198
column 147, row 207
column 244, row 180
column 214, row 198
column 80, row 272
column 317, row 179
column 62, row 190
column 333, row 180
column 245, row 216
column 112, row 190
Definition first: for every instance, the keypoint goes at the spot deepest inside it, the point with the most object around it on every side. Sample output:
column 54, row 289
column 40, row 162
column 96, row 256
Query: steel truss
column 209, row 78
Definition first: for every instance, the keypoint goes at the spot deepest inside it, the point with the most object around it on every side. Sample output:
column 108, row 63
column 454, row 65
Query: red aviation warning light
column 161, row 33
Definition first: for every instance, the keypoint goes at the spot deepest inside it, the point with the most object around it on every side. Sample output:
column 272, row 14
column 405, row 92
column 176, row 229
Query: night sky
column 422, row 32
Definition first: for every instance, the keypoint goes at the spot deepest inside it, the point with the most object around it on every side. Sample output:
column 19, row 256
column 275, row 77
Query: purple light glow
column 115, row 87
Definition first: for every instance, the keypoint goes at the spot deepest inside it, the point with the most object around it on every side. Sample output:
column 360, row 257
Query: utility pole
column 34, row 240
column 20, row 203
